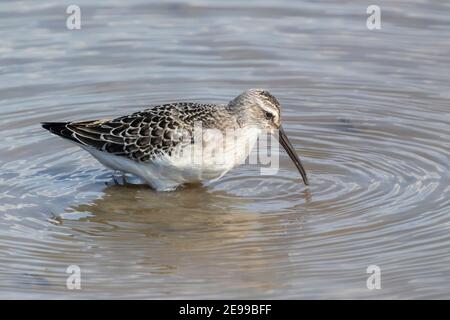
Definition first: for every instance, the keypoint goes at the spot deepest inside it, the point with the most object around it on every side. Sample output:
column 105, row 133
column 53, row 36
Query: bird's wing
column 140, row 136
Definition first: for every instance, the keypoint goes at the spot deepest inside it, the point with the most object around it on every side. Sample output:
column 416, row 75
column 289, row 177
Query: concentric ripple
column 357, row 164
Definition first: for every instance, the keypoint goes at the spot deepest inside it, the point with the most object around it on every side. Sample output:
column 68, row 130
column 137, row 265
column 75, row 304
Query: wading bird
column 155, row 144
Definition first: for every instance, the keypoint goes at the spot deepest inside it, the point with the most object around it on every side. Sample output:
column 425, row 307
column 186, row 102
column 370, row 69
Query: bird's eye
column 269, row 115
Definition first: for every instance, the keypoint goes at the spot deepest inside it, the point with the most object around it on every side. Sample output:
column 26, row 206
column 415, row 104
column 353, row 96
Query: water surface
column 368, row 111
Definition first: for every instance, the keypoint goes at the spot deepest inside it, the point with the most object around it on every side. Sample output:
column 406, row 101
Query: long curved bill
column 284, row 141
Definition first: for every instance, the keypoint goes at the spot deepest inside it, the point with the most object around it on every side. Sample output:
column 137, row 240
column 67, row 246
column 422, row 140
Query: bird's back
column 144, row 135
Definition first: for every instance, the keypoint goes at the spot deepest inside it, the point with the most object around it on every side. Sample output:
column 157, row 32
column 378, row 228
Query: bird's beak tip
column 284, row 141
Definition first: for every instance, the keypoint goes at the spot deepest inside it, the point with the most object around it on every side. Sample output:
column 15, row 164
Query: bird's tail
column 60, row 129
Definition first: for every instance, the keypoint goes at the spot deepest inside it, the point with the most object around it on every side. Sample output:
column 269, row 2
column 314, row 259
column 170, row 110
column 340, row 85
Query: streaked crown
column 258, row 107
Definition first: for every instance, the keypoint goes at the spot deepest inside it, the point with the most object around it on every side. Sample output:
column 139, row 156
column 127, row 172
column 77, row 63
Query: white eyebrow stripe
column 270, row 108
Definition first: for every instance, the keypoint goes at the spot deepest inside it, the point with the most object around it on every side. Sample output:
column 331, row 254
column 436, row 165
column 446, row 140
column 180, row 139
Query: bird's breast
column 214, row 152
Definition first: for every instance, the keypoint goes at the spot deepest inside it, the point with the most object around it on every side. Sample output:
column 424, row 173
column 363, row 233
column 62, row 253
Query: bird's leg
column 115, row 181
column 124, row 178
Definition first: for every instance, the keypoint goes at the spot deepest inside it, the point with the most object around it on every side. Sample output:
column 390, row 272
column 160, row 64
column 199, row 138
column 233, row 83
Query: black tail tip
column 46, row 125
column 53, row 125
column 58, row 128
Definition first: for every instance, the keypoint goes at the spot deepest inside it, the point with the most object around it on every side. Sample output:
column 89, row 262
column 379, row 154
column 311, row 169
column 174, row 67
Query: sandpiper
column 152, row 143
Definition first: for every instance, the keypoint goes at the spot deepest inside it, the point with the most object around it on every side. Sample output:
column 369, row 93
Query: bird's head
column 259, row 108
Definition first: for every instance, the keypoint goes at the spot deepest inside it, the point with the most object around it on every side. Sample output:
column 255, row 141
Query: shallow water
column 368, row 111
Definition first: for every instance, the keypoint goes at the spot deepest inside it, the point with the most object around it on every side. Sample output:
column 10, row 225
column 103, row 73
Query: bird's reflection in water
column 194, row 234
